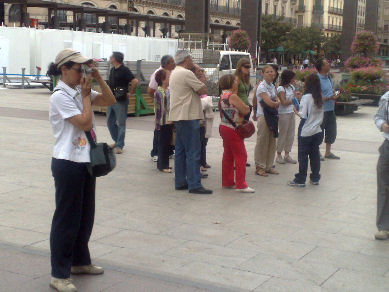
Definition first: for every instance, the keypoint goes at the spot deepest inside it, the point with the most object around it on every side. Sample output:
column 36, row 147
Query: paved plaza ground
column 150, row 237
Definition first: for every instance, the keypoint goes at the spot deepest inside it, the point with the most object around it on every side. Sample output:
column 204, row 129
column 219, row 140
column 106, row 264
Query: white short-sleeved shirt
column 70, row 141
column 312, row 114
column 267, row 88
column 153, row 83
column 289, row 94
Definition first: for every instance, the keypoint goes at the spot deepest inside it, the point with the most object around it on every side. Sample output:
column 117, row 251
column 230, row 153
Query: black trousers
column 383, row 188
column 154, row 151
column 203, row 142
column 308, row 147
column 73, row 217
column 329, row 127
column 164, row 147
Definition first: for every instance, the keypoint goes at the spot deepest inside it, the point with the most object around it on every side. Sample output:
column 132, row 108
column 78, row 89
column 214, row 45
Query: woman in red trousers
column 232, row 111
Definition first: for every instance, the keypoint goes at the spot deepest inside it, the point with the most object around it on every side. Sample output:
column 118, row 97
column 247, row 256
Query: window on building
column 14, row 13
column 300, row 20
column 266, row 8
column 275, row 10
column 283, row 10
column 89, row 18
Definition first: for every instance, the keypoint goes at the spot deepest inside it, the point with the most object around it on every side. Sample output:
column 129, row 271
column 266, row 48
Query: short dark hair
column 55, row 71
column 166, row 60
column 160, row 76
column 319, row 64
column 227, row 82
column 286, row 77
column 118, row 56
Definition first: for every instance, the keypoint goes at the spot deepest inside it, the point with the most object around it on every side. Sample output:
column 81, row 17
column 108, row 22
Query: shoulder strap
column 90, row 139
column 228, row 118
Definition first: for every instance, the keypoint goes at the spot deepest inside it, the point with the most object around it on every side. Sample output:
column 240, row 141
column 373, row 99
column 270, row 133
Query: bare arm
column 235, row 88
column 150, row 92
column 84, row 120
column 134, row 84
column 282, row 97
column 269, row 101
column 202, row 91
column 106, row 98
column 239, row 104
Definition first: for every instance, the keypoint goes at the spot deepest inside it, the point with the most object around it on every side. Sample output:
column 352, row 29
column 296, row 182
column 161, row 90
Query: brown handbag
column 245, row 130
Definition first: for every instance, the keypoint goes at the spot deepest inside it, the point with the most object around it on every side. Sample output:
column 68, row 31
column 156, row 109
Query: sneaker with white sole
column 382, row 235
column 62, row 285
column 280, row 160
column 88, row 269
column 290, row 160
column 246, row 190
column 315, row 183
column 155, row 158
column 292, row 183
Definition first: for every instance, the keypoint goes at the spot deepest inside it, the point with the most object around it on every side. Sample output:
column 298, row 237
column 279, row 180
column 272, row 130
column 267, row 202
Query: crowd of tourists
column 183, row 124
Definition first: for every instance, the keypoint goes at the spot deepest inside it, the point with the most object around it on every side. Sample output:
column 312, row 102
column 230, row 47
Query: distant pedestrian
column 275, row 61
column 72, row 120
column 162, row 124
column 382, row 122
column 306, row 63
column 286, row 124
column 267, row 101
column 120, row 79
column 310, row 134
column 329, row 96
column 234, row 155
column 185, row 112
column 167, row 63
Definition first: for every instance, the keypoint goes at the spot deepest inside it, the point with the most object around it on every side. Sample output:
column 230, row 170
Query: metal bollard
column 4, row 76
column 23, row 73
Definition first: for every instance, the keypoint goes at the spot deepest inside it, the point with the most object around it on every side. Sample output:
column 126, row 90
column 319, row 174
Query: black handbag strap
column 91, row 141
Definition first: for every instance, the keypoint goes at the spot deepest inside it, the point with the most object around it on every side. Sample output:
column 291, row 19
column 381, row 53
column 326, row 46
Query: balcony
column 301, row 8
column 167, row 2
column 334, row 10
column 334, row 27
column 318, row 9
column 214, row 8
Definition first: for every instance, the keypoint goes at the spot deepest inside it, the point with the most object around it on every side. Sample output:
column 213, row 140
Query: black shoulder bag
column 102, row 158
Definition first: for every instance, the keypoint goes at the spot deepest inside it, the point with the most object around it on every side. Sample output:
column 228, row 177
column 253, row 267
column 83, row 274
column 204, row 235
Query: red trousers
column 234, row 155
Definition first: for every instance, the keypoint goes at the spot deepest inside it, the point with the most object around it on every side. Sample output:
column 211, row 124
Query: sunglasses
column 78, row 70
column 247, row 67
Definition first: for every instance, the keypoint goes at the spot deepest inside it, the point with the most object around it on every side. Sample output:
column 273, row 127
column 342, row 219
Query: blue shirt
column 326, row 89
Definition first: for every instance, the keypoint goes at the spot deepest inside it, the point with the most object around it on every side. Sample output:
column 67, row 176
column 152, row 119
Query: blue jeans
column 187, row 158
column 116, row 122
column 308, row 147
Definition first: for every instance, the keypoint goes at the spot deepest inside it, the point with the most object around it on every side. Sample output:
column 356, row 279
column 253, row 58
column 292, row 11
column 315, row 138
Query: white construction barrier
column 30, row 47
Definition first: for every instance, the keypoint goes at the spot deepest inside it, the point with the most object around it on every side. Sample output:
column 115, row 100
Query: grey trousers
column 383, row 187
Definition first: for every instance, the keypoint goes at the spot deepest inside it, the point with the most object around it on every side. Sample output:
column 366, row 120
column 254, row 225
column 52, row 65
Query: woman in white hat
column 71, row 116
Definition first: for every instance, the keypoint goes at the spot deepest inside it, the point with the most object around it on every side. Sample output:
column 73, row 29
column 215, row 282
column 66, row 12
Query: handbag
column 245, row 130
column 120, row 93
column 102, row 158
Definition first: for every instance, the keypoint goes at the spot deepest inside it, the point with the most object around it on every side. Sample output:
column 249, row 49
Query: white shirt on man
column 185, row 103
column 267, row 88
column 153, row 83
column 70, row 141
column 312, row 114
column 289, row 94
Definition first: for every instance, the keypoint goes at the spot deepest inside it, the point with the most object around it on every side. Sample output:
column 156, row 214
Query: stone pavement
column 279, row 239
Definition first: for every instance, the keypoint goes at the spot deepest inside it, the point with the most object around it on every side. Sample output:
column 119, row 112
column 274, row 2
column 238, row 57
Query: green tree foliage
column 332, row 44
column 273, row 32
column 302, row 39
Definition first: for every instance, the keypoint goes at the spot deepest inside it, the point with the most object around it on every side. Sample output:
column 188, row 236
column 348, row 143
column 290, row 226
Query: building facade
column 324, row 14
column 223, row 13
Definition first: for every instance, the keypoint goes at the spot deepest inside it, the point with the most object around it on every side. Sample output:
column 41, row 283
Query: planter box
column 374, row 97
column 346, row 108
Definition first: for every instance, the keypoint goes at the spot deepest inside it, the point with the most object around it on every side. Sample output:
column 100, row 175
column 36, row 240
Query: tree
column 273, row 32
column 302, row 39
column 365, row 43
column 332, row 44
column 239, row 40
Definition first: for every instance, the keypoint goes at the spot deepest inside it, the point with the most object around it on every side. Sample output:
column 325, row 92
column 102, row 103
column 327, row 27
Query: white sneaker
column 155, row 158
column 246, row 190
column 381, row 235
column 62, row 285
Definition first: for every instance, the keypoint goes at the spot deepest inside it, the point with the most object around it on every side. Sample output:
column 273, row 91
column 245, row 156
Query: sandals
column 272, row 171
column 166, row 170
column 261, row 172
